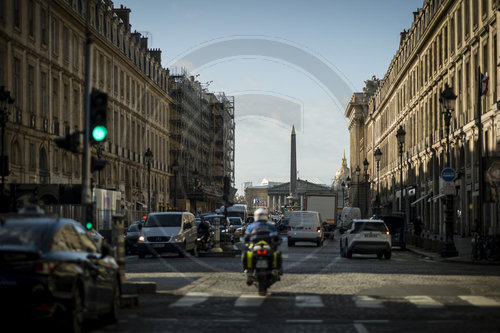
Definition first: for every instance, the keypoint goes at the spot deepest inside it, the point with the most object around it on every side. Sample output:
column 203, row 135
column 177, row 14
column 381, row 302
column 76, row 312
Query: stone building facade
column 447, row 43
column 42, row 64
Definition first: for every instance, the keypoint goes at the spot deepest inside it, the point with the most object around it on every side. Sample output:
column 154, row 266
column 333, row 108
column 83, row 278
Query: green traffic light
column 88, row 225
column 99, row 133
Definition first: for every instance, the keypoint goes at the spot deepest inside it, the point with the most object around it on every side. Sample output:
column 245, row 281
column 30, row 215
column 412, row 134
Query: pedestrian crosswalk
column 359, row 301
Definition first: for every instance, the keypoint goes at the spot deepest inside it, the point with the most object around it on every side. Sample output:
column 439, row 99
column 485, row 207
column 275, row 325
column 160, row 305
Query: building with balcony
column 449, row 43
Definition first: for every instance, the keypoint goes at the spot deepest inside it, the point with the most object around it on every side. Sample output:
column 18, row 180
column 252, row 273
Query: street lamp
column 343, row 197
column 348, row 183
column 358, row 171
column 175, row 167
column 400, row 136
column 367, row 188
column 6, row 102
column 148, row 155
column 447, row 99
column 378, row 157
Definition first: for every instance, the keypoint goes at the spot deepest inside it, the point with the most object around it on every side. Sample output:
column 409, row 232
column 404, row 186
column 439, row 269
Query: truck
column 326, row 206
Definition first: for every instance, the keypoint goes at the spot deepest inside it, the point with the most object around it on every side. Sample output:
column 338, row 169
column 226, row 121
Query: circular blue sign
column 448, row 174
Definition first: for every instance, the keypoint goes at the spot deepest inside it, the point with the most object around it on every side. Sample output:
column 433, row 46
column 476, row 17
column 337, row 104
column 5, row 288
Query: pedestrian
column 417, row 225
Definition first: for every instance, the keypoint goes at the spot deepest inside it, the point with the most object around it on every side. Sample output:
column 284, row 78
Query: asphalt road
column 320, row 291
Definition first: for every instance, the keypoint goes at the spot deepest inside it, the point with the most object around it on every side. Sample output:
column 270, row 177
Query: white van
column 305, row 226
column 348, row 214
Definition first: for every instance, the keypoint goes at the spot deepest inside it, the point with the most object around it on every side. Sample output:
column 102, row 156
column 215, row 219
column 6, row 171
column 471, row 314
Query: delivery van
column 305, row 226
column 348, row 214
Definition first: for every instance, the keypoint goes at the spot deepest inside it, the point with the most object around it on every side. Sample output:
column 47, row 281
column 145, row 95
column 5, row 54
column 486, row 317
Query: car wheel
column 341, row 250
column 387, row 255
column 348, row 254
column 75, row 317
column 111, row 317
column 291, row 243
column 380, row 255
column 182, row 251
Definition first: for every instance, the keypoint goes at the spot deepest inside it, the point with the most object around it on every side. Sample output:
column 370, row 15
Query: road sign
column 448, row 174
column 449, row 188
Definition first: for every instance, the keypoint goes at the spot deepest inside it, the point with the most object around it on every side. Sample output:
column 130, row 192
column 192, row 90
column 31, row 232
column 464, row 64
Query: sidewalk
column 462, row 244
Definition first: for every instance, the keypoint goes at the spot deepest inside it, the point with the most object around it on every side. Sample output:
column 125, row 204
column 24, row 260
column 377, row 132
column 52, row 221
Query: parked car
column 132, row 237
column 397, row 227
column 366, row 237
column 305, row 226
column 168, row 232
column 52, row 272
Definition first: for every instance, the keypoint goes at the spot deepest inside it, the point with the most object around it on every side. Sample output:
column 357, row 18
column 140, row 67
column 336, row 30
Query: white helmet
column 260, row 215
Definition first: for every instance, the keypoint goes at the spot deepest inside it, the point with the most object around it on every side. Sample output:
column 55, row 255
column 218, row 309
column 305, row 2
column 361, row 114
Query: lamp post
column 400, row 136
column 348, row 183
column 6, row 102
column 100, row 149
column 175, row 167
column 378, row 157
column 343, row 197
column 148, row 155
column 367, row 188
column 447, row 98
column 358, row 171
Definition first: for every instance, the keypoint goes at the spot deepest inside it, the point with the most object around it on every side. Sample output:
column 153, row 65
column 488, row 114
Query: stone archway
column 43, row 166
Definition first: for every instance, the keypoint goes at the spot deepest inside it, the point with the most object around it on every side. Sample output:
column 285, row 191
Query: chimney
column 156, row 54
column 144, row 43
column 123, row 13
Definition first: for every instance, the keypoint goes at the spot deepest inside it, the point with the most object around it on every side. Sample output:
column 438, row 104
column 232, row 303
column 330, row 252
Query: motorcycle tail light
column 261, row 252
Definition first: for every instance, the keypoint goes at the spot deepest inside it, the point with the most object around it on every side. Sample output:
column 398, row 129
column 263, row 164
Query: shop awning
column 436, row 197
column 419, row 199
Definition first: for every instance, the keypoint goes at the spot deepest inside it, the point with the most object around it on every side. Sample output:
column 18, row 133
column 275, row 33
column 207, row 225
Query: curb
column 129, row 301
column 142, row 287
column 437, row 257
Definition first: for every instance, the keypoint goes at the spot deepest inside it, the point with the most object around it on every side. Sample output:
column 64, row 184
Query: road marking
column 360, row 328
column 231, row 320
column 309, row 301
column 371, row 321
column 304, row 321
column 249, row 300
column 480, row 300
column 423, row 302
column 190, row 299
column 367, row 302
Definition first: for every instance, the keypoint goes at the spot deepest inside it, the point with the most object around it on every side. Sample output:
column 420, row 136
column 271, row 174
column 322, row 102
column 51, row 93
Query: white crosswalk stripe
column 190, row 299
column 308, row 301
column 367, row 302
column 480, row 300
column 424, row 302
column 250, row 300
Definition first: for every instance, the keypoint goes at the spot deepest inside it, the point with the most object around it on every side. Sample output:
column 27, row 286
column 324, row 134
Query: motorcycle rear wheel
column 262, row 286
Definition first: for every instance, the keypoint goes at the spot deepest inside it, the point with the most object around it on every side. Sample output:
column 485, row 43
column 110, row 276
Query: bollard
column 118, row 243
column 217, row 248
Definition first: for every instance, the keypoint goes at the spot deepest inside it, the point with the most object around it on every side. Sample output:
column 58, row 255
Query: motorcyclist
column 204, row 229
column 262, row 230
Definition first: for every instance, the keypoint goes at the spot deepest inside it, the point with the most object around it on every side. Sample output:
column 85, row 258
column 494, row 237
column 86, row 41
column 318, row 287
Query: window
column 16, row 14
column 76, row 57
column 66, row 43
column 31, row 94
column 459, row 25
column 2, row 67
column 31, row 18
column 17, row 81
column 32, row 162
column 43, row 26
column 2, row 10
column 475, row 13
column 55, row 36
column 55, row 88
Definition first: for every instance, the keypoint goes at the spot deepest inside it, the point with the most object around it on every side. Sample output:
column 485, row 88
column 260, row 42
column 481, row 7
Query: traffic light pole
column 86, row 196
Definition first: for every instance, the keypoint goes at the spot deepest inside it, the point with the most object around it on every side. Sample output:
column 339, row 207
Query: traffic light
column 90, row 212
column 97, row 164
column 98, row 116
column 68, row 142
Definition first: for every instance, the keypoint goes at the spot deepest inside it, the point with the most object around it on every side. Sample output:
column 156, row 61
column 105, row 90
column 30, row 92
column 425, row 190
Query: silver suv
column 366, row 237
column 168, row 232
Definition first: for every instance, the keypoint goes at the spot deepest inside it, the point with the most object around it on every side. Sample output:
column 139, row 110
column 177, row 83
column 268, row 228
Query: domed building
column 341, row 178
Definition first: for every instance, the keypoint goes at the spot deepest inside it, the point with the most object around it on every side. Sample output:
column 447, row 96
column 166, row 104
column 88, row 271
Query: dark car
column 52, row 271
column 397, row 227
column 132, row 237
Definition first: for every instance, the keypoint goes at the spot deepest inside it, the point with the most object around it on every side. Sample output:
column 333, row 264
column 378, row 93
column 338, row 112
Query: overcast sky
column 286, row 62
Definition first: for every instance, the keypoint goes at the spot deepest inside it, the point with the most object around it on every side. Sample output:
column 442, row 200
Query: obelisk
column 293, row 166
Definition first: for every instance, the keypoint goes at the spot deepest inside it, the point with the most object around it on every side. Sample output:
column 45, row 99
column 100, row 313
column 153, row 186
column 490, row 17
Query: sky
column 286, row 62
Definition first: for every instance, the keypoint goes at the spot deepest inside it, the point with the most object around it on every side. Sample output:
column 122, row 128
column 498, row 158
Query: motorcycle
column 262, row 262
column 205, row 241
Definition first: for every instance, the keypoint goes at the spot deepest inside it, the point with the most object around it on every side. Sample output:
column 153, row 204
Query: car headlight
column 141, row 238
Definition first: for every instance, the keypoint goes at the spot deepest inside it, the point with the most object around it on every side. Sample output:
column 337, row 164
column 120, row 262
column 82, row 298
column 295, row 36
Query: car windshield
column 15, row 232
column 164, row 220
column 235, row 221
column 134, row 227
column 369, row 226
